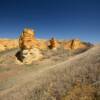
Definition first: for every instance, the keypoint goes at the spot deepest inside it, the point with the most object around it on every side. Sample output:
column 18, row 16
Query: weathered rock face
column 2, row 48
column 6, row 44
column 74, row 44
column 29, row 47
column 28, row 56
column 53, row 44
column 27, row 39
column 43, row 45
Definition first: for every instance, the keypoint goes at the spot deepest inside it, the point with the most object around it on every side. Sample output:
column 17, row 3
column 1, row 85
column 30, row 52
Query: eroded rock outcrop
column 53, row 44
column 27, row 39
column 75, row 44
column 29, row 47
column 2, row 48
column 7, row 44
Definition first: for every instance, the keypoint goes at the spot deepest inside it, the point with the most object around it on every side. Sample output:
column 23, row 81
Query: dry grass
column 56, row 81
column 81, row 92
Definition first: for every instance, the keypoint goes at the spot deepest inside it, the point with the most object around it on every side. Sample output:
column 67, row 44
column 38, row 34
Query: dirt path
column 52, row 69
column 14, row 75
column 27, row 78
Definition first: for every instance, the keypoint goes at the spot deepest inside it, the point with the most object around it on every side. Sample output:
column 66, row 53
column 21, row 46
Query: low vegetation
column 81, row 92
column 60, row 75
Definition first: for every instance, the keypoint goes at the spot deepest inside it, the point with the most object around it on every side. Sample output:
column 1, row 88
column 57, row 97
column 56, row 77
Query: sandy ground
column 12, row 74
column 57, row 67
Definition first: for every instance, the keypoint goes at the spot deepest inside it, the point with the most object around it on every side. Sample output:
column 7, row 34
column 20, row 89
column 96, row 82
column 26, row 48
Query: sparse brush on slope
column 54, row 82
column 81, row 92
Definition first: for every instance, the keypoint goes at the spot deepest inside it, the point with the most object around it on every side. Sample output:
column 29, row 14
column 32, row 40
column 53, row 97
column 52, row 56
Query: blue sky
column 62, row 19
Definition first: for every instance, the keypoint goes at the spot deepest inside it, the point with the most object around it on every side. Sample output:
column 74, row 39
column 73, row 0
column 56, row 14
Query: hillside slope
column 54, row 81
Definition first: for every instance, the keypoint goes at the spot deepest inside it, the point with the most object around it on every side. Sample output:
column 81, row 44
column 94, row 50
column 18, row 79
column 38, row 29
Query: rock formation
column 43, row 45
column 6, row 44
column 2, row 48
column 27, row 39
column 29, row 47
column 74, row 44
column 53, row 44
